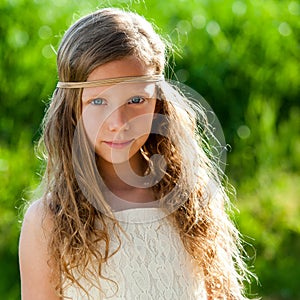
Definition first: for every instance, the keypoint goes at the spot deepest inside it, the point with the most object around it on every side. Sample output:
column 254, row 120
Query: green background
column 243, row 57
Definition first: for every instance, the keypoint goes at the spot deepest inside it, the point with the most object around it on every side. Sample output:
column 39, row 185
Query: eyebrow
column 139, row 90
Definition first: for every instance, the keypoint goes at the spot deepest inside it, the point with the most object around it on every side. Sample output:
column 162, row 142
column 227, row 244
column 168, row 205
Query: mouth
column 118, row 144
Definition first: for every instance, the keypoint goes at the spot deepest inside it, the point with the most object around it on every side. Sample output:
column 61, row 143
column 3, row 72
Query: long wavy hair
column 201, row 215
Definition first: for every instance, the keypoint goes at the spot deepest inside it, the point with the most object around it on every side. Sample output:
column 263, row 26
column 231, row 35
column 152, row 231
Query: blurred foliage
column 17, row 177
column 242, row 56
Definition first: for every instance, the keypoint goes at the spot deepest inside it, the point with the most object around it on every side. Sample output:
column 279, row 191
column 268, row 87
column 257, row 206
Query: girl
column 133, row 207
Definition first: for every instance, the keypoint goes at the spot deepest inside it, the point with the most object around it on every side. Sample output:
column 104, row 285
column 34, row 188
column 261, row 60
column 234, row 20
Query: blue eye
column 97, row 101
column 136, row 100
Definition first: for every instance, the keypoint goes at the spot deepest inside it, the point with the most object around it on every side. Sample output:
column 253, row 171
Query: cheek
column 141, row 122
column 93, row 123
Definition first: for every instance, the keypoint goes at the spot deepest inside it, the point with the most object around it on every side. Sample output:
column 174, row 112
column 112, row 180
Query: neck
column 118, row 177
column 124, row 183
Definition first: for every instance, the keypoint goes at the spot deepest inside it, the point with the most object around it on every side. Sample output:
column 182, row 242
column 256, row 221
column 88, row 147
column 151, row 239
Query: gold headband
column 109, row 81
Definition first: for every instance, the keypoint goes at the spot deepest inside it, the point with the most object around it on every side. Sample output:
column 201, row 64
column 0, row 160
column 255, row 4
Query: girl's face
column 118, row 118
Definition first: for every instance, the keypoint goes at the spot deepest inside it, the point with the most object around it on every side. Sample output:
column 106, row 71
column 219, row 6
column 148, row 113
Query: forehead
column 125, row 67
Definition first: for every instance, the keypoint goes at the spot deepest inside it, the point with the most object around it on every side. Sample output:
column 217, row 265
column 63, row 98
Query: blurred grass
column 242, row 56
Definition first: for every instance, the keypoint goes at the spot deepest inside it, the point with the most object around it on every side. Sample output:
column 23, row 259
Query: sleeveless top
column 152, row 263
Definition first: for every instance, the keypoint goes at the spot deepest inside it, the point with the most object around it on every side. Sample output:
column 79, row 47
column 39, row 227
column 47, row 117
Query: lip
column 118, row 144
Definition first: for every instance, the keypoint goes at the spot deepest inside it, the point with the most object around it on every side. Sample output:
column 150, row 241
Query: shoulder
column 34, row 212
column 36, row 223
column 33, row 254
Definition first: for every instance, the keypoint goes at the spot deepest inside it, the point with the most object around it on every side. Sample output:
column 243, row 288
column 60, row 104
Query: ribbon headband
column 109, row 81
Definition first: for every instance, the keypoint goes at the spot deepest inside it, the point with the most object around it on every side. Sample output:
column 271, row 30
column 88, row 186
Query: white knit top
column 152, row 263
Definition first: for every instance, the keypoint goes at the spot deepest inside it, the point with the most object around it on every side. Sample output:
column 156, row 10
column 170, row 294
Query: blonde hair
column 200, row 216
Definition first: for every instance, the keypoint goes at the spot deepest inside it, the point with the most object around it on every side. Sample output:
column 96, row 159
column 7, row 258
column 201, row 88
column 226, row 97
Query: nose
column 117, row 120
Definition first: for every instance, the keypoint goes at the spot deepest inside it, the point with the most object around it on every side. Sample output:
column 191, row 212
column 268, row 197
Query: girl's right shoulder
column 36, row 210
column 34, row 259
column 37, row 220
